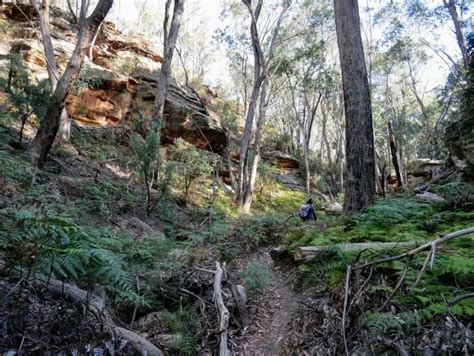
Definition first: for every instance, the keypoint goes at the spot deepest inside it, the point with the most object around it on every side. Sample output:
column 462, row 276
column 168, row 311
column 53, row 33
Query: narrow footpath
column 271, row 314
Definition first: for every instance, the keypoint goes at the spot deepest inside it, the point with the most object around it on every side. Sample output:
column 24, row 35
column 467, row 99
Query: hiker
column 307, row 212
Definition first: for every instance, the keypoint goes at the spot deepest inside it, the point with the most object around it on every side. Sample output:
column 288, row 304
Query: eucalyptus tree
column 263, row 60
column 50, row 123
column 359, row 188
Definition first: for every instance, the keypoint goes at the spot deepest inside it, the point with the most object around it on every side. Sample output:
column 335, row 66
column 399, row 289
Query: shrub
column 255, row 277
column 458, row 195
column 191, row 163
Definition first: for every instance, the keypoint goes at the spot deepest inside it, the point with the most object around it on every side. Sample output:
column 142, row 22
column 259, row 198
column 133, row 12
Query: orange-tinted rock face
column 120, row 78
column 99, row 107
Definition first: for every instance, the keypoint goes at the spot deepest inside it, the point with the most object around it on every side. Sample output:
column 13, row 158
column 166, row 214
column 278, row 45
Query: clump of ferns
column 44, row 242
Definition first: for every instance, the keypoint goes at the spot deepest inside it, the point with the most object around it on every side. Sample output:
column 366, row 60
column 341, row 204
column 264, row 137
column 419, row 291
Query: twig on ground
column 344, row 310
column 397, row 287
column 422, row 270
column 459, row 298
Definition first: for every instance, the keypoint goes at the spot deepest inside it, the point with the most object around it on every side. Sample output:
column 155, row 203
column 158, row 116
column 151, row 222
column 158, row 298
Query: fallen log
column 223, row 312
column 308, row 253
column 278, row 253
column 145, row 346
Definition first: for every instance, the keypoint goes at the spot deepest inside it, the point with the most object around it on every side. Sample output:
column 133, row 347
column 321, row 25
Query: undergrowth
column 399, row 219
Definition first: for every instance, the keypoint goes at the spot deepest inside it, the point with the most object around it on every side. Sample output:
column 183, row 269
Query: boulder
column 136, row 228
column 459, row 139
column 427, row 196
column 424, row 167
column 333, row 208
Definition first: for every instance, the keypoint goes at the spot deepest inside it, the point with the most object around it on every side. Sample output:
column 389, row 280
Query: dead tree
column 50, row 124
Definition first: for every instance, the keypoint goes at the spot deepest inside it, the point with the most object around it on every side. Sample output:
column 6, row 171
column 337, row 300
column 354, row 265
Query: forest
column 236, row 177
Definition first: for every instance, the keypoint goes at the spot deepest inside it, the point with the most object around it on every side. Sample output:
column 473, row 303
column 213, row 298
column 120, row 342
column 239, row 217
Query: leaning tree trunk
column 170, row 37
column 360, row 163
column 42, row 10
column 451, row 5
column 49, row 126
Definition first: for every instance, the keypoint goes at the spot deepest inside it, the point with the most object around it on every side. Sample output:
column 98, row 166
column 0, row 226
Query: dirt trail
column 271, row 314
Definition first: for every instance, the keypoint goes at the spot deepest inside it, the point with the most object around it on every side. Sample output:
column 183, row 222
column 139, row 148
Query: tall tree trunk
column 49, row 126
column 249, row 189
column 360, row 181
column 170, row 36
column 451, row 5
column 257, row 82
column 394, row 152
column 43, row 13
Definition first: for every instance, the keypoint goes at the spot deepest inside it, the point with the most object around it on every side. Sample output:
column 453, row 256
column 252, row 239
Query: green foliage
column 191, row 163
column 183, row 323
column 146, row 151
column 27, row 97
column 458, row 195
column 227, row 252
column 14, row 168
column 258, row 230
column 229, row 112
column 255, row 277
column 279, row 200
column 379, row 323
column 87, row 79
column 51, row 243
column 266, row 178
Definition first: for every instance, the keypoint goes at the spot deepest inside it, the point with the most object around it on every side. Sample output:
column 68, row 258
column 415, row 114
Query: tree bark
column 223, row 312
column 360, row 163
column 249, row 188
column 451, row 6
column 257, row 82
column 170, row 37
column 49, row 126
column 394, row 152
column 261, row 82
column 51, row 65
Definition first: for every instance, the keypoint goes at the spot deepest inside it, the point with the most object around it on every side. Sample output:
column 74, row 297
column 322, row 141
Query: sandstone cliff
column 119, row 74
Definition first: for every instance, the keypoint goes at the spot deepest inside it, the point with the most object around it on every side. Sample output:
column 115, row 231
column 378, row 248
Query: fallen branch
column 223, row 312
column 308, row 253
column 344, row 310
column 459, row 298
column 312, row 252
column 397, row 287
column 240, row 299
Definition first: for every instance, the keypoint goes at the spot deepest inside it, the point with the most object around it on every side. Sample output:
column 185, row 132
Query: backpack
column 304, row 211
